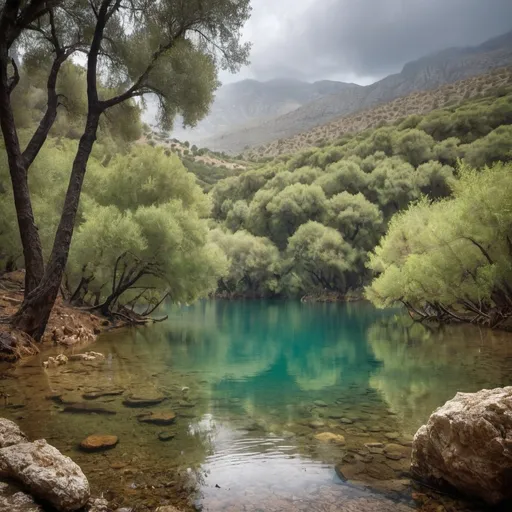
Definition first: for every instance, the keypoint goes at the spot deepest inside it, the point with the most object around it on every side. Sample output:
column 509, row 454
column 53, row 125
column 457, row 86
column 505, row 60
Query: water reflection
column 424, row 366
column 253, row 383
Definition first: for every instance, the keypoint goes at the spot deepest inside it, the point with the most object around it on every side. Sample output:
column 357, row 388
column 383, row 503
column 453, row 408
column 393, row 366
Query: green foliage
column 291, row 208
column 253, row 263
column 320, row 257
column 455, row 252
column 355, row 186
column 359, row 221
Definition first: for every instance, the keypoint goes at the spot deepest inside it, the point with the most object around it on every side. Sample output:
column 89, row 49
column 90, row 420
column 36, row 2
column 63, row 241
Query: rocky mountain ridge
column 340, row 99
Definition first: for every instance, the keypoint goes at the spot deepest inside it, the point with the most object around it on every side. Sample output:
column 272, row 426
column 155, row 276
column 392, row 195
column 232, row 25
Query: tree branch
column 15, row 79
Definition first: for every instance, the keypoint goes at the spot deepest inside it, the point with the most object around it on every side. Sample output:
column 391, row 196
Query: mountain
column 417, row 103
column 426, row 73
column 250, row 102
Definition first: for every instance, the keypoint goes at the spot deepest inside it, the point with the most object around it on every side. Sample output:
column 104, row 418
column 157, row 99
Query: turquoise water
column 255, row 384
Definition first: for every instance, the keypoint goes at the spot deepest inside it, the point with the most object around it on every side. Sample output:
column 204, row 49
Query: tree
column 451, row 257
column 359, row 221
column 392, row 184
column 321, row 257
column 293, row 206
column 343, row 176
column 254, row 263
column 172, row 49
column 414, row 145
column 492, row 148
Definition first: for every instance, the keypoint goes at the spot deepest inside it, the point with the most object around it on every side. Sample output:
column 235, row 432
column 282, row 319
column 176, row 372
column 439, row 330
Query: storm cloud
column 362, row 40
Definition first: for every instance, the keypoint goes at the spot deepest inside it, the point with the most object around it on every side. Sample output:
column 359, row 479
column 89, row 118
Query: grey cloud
column 343, row 39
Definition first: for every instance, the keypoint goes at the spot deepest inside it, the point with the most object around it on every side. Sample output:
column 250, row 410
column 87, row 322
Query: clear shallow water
column 263, row 378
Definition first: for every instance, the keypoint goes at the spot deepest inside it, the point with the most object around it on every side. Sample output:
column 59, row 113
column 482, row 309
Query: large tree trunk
column 32, row 251
column 33, row 314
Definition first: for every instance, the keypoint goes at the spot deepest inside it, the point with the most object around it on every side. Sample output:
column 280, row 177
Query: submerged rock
column 93, row 395
column 97, row 505
column 87, row 356
column 87, row 408
column 10, row 433
column 329, row 437
column 46, row 474
column 19, row 502
column 166, row 436
column 98, row 443
column 158, row 418
column 141, row 401
column 53, row 362
column 319, row 403
column 467, row 444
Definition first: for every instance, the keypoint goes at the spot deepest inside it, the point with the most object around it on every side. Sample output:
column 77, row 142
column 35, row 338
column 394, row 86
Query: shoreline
column 68, row 327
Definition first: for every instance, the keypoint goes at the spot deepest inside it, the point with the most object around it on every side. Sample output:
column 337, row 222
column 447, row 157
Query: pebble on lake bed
column 329, row 437
column 97, row 443
column 166, row 436
column 158, row 418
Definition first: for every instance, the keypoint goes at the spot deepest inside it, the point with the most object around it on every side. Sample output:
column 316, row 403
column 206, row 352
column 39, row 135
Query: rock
column 97, row 505
column 61, row 359
column 166, row 436
column 335, row 415
column 346, row 421
column 329, row 437
column 375, row 448
column 140, row 401
column 92, row 395
column 397, row 448
column 98, row 443
column 393, row 455
column 53, row 362
column 87, row 408
column 316, row 424
column 10, row 433
column 46, row 474
column 184, row 403
column 19, row 502
column 392, row 435
column 467, row 444
column 158, row 418
column 319, row 403
column 374, row 429
column 379, row 471
column 87, row 356
column 349, row 471
column 167, row 508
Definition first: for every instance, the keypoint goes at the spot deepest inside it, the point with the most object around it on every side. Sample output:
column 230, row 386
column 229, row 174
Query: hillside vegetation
column 307, row 222
column 420, row 102
column 208, row 166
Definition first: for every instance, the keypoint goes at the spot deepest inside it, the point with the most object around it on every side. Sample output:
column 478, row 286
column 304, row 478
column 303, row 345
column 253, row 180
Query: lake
column 279, row 405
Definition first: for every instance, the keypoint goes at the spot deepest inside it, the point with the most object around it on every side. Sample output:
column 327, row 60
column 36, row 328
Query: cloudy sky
column 361, row 40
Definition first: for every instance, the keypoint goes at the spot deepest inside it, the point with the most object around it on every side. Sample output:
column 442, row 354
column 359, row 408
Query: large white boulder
column 46, row 474
column 467, row 444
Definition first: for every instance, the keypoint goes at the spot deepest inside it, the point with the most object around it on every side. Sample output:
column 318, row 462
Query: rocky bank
column 466, row 445
column 35, row 475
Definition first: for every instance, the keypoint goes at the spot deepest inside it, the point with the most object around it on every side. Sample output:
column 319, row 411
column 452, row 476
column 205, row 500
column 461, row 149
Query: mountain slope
column 426, row 73
column 419, row 103
column 250, row 102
